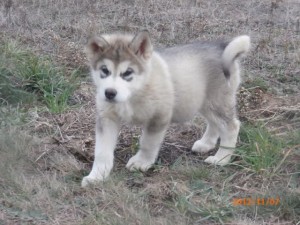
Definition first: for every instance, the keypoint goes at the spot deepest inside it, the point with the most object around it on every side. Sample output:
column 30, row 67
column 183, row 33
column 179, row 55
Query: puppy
column 138, row 85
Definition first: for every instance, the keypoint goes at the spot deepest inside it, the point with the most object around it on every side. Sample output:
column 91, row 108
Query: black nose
column 110, row 93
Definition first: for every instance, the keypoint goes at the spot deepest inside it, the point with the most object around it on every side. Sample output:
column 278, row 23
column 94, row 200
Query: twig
column 248, row 190
column 41, row 155
column 176, row 145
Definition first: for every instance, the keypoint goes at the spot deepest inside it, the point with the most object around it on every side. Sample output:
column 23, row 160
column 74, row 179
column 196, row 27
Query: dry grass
column 43, row 156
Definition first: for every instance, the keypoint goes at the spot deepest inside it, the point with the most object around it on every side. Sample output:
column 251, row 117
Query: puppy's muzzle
column 110, row 94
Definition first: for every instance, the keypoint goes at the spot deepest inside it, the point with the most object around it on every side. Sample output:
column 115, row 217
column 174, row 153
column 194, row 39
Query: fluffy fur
column 154, row 88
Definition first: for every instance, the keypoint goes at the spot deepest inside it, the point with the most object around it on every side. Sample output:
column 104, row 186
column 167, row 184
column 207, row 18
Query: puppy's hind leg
column 229, row 134
column 208, row 140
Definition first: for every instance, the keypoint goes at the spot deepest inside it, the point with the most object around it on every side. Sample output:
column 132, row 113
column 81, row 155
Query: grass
column 256, row 82
column 12, row 116
column 260, row 151
column 267, row 157
column 45, row 153
column 48, row 189
column 26, row 78
column 263, row 152
column 29, row 195
column 9, row 93
column 202, row 203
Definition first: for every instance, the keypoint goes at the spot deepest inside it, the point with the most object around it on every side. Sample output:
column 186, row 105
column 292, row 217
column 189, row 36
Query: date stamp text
column 256, row 201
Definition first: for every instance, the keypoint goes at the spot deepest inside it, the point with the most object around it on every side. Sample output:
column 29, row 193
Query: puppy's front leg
column 106, row 138
column 150, row 143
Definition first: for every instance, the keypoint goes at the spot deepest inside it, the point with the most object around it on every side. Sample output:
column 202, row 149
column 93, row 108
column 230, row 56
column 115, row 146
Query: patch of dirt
column 281, row 114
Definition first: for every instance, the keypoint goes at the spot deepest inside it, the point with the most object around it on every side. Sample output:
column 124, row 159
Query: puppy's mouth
column 113, row 101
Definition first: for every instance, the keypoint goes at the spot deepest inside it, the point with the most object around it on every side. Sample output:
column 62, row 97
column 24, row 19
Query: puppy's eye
column 127, row 74
column 104, row 71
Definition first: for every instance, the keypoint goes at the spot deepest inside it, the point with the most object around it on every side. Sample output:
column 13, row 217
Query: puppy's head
column 119, row 64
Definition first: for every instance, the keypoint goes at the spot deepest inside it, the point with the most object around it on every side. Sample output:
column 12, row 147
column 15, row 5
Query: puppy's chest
column 130, row 114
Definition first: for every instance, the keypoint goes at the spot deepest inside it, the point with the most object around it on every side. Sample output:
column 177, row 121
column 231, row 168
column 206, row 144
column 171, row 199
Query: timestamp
column 250, row 201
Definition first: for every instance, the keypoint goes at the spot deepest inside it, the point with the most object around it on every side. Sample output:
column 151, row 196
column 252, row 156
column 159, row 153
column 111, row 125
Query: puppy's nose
column 110, row 93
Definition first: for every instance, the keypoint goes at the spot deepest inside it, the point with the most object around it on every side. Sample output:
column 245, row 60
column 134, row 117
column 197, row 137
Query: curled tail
column 237, row 47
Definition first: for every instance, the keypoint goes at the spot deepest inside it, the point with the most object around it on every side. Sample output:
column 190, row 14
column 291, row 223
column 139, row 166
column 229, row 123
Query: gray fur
column 169, row 85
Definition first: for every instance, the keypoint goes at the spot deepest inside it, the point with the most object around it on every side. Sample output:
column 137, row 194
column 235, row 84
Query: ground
column 46, row 147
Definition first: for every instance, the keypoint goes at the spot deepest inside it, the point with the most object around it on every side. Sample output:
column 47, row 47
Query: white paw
column 200, row 146
column 86, row 181
column 138, row 162
column 218, row 161
column 98, row 173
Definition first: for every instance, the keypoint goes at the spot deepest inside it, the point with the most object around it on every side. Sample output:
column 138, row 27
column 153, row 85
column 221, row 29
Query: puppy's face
column 119, row 65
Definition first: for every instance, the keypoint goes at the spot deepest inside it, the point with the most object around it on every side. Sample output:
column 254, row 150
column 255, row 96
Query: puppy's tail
column 236, row 48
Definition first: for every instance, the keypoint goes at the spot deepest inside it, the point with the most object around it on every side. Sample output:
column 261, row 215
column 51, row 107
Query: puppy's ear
column 95, row 46
column 141, row 45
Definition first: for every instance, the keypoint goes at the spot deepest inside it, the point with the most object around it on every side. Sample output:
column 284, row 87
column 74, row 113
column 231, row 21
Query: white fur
column 174, row 86
column 145, row 158
column 123, row 87
column 104, row 153
column 239, row 45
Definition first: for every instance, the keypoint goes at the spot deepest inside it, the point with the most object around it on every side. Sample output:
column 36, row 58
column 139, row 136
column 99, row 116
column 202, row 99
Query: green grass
column 267, row 160
column 203, row 205
column 260, row 151
column 256, row 82
column 9, row 93
column 12, row 116
column 26, row 77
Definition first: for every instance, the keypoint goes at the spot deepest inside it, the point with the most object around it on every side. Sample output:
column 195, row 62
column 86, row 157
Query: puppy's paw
column 138, row 163
column 218, row 161
column 86, row 181
column 200, row 146
column 98, row 174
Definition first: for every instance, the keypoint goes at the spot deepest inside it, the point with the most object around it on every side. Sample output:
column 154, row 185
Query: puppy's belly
column 187, row 104
column 183, row 114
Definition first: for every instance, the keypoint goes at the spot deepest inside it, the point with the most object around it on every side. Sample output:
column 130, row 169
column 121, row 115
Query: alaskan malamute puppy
column 155, row 88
